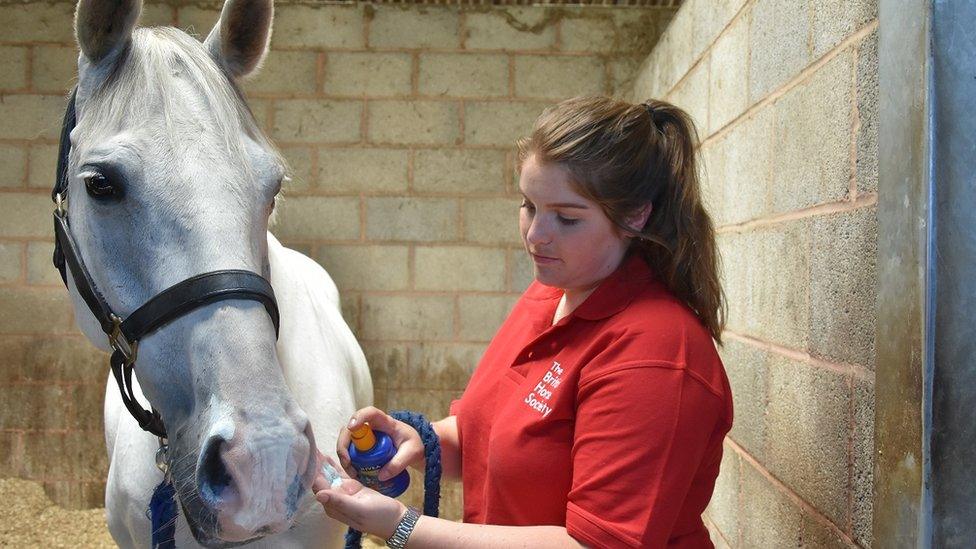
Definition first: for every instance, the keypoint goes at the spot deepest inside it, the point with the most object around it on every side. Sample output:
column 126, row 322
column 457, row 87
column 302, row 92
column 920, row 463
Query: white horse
column 192, row 180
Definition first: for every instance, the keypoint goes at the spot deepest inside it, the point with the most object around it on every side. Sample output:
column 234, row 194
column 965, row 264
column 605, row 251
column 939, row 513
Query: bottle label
column 369, row 476
column 392, row 487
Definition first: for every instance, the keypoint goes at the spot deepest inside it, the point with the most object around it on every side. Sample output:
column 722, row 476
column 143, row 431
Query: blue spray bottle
column 369, row 451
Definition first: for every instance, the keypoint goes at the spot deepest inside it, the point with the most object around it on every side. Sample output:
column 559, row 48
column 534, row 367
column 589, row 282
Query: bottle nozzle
column 363, row 438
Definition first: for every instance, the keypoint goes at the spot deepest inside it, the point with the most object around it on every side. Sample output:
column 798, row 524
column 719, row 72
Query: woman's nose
column 538, row 233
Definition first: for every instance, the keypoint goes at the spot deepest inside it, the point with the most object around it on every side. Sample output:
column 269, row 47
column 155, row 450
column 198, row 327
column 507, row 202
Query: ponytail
column 624, row 157
column 679, row 237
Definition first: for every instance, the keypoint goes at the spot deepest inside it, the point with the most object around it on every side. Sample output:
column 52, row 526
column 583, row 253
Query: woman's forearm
column 437, row 533
column 447, row 432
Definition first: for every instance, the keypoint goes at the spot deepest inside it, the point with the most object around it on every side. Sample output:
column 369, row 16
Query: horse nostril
column 213, row 477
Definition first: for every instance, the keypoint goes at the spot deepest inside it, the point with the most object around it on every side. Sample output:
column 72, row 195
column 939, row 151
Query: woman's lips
column 543, row 260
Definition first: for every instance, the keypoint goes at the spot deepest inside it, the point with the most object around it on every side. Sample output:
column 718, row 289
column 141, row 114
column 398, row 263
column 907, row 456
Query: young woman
column 597, row 414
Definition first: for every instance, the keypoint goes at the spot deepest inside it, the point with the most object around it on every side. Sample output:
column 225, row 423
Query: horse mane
column 157, row 61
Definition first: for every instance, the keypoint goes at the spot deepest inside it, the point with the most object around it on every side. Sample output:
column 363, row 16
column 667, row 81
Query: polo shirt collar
column 617, row 290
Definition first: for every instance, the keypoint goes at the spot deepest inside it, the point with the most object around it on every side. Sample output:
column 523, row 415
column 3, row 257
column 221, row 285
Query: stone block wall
column 398, row 122
column 785, row 94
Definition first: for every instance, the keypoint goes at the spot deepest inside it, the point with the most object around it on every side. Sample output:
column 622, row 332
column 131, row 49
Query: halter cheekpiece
column 124, row 333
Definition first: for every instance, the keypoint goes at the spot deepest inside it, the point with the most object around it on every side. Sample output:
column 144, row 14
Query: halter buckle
column 162, row 456
column 128, row 349
column 60, row 205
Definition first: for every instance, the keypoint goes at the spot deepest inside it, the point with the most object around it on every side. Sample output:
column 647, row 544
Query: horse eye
column 99, row 186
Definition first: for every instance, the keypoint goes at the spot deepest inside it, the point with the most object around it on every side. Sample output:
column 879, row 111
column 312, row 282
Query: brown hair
column 625, row 156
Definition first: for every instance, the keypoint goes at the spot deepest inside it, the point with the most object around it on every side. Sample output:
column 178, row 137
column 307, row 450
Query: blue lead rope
column 432, row 471
column 162, row 514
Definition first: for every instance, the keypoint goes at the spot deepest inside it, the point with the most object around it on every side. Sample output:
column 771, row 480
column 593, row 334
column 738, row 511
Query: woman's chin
column 547, row 278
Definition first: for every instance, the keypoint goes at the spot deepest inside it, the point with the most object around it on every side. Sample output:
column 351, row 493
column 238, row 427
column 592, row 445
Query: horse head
column 169, row 177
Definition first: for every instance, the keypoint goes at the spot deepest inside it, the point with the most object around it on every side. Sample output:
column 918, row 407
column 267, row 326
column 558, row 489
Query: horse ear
column 105, row 26
column 239, row 41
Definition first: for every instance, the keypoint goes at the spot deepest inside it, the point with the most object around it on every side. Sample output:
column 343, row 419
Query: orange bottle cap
column 363, row 438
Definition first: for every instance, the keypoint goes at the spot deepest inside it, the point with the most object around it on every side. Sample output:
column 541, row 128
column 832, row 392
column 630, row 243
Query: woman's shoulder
column 658, row 330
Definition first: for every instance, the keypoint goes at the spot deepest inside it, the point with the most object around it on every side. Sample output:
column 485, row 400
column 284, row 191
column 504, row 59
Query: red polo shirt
column 609, row 423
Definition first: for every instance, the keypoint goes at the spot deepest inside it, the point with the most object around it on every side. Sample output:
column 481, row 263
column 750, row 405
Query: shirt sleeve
column 642, row 430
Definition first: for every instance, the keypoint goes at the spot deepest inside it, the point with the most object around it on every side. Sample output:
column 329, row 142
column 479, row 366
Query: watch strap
column 403, row 529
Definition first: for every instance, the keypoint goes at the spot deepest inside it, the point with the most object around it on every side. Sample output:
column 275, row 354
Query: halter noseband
column 164, row 307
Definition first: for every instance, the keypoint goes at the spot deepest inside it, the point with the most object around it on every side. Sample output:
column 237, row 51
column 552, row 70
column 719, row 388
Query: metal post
column 904, row 187
column 925, row 406
column 953, row 434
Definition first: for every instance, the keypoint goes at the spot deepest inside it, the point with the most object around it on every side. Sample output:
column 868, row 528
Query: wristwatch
column 403, row 529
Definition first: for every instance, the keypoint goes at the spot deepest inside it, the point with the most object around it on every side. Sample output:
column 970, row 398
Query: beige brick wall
column 398, row 121
column 784, row 93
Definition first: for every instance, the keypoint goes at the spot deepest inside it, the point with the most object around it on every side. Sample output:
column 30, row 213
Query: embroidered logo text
column 538, row 399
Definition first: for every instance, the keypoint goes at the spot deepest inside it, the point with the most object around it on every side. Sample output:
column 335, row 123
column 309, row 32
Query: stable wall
column 399, row 123
column 785, row 96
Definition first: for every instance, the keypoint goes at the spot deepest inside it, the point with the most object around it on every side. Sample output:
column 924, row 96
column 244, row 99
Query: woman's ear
column 638, row 219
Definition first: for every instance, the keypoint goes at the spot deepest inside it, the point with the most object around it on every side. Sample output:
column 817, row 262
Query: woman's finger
column 407, row 453
column 377, row 419
column 370, row 414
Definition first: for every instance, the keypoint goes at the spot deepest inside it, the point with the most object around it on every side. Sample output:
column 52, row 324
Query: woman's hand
column 410, row 449
column 352, row 503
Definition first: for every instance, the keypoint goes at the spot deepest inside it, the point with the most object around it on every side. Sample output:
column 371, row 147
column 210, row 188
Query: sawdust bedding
column 28, row 518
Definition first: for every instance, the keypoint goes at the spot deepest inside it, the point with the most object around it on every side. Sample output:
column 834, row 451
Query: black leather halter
column 168, row 305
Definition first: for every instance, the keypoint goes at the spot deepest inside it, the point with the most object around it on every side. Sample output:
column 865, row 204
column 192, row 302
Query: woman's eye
column 99, row 186
column 527, row 205
column 567, row 220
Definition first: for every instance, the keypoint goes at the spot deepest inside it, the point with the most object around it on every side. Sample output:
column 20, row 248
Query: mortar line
column 27, row 141
column 810, row 510
column 48, row 431
column 708, row 47
column 865, row 200
column 72, row 335
column 433, row 98
column 25, row 189
column 806, row 73
column 369, row 49
column 430, row 243
column 321, row 59
column 311, row 193
column 708, row 521
column 855, row 370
